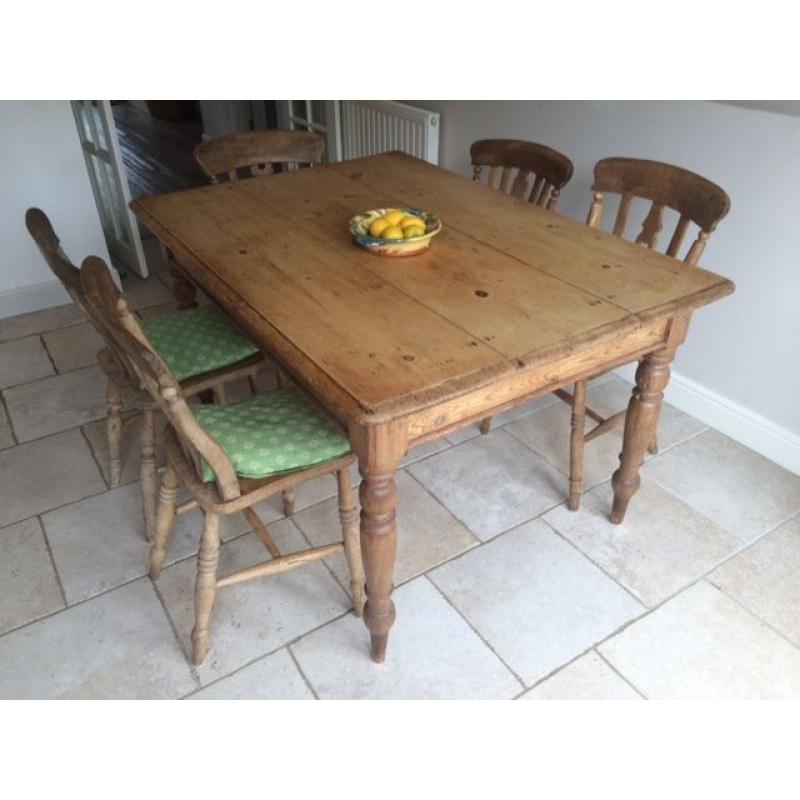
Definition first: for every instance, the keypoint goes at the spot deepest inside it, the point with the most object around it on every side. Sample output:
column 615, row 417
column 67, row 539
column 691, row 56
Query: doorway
column 157, row 139
column 156, row 143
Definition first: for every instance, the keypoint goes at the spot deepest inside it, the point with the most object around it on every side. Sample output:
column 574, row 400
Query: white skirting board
column 745, row 426
column 37, row 296
column 32, row 298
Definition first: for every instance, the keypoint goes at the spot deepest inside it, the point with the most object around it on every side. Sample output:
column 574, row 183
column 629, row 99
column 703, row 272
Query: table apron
column 513, row 390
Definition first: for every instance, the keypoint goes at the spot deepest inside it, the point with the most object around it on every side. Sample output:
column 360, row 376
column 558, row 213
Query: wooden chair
column 257, row 153
column 123, row 390
column 526, row 170
column 697, row 201
column 277, row 440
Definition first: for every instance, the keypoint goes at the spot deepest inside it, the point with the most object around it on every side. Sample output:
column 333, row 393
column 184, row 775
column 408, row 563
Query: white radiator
column 376, row 126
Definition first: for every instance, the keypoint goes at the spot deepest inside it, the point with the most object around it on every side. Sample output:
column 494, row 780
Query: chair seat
column 197, row 340
column 276, row 432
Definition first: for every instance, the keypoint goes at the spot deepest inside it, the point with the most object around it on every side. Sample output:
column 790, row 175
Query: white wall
column 41, row 164
column 744, row 351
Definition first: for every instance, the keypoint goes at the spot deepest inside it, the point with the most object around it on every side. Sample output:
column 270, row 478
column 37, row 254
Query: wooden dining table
column 510, row 302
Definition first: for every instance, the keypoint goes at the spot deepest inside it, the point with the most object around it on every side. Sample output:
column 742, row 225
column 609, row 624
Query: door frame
column 103, row 156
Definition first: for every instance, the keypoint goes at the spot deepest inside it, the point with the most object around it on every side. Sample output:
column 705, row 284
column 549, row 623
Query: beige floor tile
column 432, row 654
column 535, row 599
column 230, row 526
column 269, row 511
column 130, row 447
column 547, row 433
column 428, row 534
column 674, row 426
column 274, row 677
column 703, row 645
column 119, row 645
column 6, row 434
column 144, row 293
column 503, row 418
column 765, row 578
column 23, row 361
column 74, row 347
column 491, row 483
column 99, row 543
column 424, row 450
column 57, row 403
column 35, row 322
column 740, row 490
column 463, row 434
column 586, row 678
column 28, row 583
column 662, row 546
column 45, row 474
column 253, row 618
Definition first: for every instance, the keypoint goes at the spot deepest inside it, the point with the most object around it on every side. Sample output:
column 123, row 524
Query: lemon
column 393, row 232
column 410, row 231
column 378, row 227
column 412, row 222
column 394, row 217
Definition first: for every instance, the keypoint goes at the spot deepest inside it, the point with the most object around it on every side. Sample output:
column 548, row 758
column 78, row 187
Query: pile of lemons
column 397, row 225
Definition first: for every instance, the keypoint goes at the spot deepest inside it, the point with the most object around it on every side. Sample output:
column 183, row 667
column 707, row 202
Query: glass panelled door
column 320, row 116
column 98, row 137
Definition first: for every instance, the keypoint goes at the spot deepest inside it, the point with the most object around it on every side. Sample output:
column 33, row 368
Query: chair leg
column 352, row 545
column 576, row 442
column 147, row 471
column 165, row 520
column 205, row 588
column 251, row 381
column 486, row 426
column 114, row 430
column 220, row 395
column 288, row 496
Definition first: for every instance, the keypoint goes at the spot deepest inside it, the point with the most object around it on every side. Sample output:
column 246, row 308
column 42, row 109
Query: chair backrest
column 526, row 170
column 694, row 198
column 257, row 153
column 49, row 245
column 111, row 309
column 40, row 229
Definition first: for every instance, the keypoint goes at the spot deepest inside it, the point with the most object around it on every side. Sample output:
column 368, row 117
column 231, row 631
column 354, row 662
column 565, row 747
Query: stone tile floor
column 501, row 591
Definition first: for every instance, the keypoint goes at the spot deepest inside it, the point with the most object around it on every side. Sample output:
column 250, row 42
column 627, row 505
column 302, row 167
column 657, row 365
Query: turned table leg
column 641, row 422
column 379, row 448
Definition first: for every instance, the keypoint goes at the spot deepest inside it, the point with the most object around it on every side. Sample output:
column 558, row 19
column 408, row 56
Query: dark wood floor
column 157, row 154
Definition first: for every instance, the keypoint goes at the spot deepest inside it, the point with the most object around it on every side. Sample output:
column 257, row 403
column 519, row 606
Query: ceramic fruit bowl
column 412, row 242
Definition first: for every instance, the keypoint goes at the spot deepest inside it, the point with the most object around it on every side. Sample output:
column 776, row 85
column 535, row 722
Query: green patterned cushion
column 197, row 340
column 270, row 433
